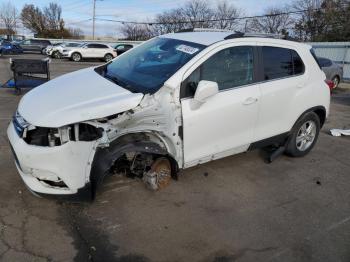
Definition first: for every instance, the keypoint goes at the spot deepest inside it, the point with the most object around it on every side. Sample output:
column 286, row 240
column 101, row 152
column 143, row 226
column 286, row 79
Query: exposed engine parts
column 43, row 136
column 155, row 171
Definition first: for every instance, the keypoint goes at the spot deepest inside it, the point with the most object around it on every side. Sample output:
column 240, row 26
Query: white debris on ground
column 339, row 132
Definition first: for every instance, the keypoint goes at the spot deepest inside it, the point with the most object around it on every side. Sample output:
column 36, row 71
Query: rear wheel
column 108, row 57
column 76, row 57
column 304, row 135
column 336, row 81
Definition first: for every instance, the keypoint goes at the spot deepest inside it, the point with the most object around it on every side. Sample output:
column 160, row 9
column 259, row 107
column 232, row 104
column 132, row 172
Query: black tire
column 295, row 148
column 76, row 57
column 56, row 55
column 336, row 81
column 108, row 57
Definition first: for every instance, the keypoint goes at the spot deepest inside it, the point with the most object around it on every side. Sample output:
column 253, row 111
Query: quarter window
column 281, row 62
column 230, row 68
column 298, row 65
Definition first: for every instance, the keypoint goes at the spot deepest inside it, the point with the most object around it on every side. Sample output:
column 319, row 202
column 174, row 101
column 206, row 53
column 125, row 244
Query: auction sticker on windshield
column 187, row 49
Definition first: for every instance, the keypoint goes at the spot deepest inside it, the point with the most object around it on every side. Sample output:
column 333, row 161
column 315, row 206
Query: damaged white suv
column 175, row 101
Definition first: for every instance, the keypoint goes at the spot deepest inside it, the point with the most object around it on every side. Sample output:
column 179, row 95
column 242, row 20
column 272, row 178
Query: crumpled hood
column 75, row 97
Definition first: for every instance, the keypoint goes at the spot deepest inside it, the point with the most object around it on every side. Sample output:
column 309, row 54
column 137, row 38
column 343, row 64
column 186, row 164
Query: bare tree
column 276, row 21
column 8, row 15
column 198, row 13
column 136, row 32
column 33, row 19
column 226, row 13
column 52, row 15
column 76, row 33
column 306, row 26
column 170, row 21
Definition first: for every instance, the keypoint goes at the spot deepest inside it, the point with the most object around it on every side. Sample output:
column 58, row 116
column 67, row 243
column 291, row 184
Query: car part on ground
column 340, row 132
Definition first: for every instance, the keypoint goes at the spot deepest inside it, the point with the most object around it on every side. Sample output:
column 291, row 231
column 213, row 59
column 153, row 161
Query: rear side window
column 100, row 46
column 281, row 62
column 277, row 62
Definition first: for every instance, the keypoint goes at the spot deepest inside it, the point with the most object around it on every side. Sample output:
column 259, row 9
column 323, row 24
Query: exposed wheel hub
column 159, row 175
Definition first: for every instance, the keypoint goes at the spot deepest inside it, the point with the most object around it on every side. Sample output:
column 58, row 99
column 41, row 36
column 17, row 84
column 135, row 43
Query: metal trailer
column 339, row 52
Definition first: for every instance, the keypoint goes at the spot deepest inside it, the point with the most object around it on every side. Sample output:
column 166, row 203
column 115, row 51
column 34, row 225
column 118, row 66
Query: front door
column 225, row 123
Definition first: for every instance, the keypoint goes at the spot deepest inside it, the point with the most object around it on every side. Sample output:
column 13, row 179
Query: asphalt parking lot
column 235, row 209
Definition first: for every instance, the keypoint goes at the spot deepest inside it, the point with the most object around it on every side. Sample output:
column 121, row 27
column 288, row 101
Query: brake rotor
column 161, row 167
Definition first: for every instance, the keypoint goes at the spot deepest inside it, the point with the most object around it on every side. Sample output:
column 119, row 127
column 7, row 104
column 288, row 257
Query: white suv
column 176, row 101
column 89, row 50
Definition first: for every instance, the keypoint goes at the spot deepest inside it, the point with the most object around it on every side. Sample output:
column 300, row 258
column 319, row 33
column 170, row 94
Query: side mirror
column 205, row 90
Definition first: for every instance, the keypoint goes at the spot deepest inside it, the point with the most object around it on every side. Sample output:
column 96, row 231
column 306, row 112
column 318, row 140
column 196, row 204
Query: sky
column 74, row 12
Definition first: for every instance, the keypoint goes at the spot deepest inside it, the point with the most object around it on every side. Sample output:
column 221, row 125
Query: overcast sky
column 74, row 11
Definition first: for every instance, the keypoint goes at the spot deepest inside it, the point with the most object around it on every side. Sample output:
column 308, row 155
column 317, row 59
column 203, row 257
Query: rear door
column 101, row 50
column 90, row 51
column 282, row 79
column 27, row 45
column 225, row 123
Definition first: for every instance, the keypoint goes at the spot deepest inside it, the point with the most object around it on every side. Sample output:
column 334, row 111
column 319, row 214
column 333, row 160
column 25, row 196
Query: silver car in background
column 333, row 71
column 57, row 50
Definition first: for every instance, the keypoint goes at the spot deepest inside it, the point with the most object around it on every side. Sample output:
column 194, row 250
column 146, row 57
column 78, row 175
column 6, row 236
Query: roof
column 207, row 38
column 203, row 38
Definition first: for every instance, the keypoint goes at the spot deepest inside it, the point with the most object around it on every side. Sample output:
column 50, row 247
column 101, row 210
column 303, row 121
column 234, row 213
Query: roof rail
column 248, row 34
column 238, row 34
column 204, row 30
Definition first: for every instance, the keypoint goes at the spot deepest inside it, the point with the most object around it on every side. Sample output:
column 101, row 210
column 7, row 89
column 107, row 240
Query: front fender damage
column 138, row 137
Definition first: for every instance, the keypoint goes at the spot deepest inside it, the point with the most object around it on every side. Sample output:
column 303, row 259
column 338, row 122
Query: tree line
column 45, row 22
column 305, row 20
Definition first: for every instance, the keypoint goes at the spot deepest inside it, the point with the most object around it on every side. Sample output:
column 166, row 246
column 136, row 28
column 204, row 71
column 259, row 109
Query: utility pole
column 93, row 20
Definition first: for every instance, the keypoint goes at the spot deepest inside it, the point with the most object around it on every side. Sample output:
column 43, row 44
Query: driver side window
column 231, row 67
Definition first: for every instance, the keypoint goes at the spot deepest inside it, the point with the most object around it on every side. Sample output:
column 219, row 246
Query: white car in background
column 90, row 50
column 56, row 51
column 175, row 101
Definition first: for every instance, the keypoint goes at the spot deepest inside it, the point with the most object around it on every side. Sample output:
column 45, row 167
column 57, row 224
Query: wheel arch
column 76, row 52
column 320, row 111
column 145, row 142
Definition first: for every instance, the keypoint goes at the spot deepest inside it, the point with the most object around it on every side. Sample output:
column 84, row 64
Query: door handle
column 250, row 100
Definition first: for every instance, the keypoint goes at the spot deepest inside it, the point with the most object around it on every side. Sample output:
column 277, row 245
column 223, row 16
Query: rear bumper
column 68, row 163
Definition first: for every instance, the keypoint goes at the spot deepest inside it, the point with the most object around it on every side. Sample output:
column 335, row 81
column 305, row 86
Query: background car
column 57, row 50
column 7, row 47
column 122, row 48
column 34, row 45
column 333, row 71
column 50, row 47
column 90, row 50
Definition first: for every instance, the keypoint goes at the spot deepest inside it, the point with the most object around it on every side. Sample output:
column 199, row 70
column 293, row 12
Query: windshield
column 145, row 69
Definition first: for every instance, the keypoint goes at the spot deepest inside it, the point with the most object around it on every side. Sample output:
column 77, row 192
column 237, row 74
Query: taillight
column 330, row 84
